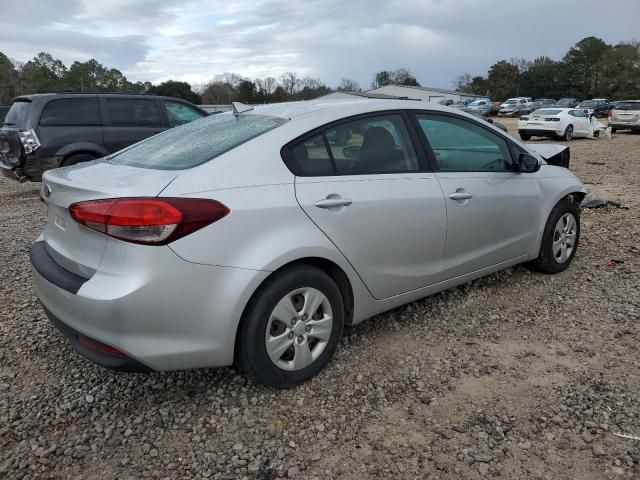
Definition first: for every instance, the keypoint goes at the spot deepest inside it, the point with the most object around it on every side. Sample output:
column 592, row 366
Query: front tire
column 568, row 134
column 560, row 238
column 291, row 327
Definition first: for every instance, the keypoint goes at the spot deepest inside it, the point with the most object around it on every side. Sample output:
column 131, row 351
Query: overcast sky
column 193, row 40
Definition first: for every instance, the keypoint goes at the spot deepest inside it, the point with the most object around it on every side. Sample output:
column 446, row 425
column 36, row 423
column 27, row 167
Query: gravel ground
column 517, row 375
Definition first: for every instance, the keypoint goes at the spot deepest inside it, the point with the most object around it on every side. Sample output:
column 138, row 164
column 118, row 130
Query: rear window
column 17, row 114
column 197, row 142
column 130, row 112
column 546, row 113
column 628, row 106
column 71, row 111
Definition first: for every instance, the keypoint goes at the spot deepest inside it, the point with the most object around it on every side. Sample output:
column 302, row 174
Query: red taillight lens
column 150, row 221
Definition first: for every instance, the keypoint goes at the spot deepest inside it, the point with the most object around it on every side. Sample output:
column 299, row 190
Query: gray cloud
column 329, row 39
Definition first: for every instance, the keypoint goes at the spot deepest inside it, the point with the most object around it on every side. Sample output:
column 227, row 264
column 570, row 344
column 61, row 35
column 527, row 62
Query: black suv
column 51, row 130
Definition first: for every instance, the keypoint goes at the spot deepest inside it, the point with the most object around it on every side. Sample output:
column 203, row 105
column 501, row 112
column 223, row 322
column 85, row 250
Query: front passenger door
column 492, row 212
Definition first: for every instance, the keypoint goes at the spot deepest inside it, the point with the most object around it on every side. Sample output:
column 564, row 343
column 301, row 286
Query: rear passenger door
column 130, row 120
column 361, row 182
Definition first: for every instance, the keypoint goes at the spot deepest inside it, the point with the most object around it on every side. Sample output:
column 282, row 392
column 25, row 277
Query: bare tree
column 290, row 82
column 349, row 85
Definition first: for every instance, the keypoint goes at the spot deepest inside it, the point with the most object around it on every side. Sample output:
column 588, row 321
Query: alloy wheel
column 564, row 238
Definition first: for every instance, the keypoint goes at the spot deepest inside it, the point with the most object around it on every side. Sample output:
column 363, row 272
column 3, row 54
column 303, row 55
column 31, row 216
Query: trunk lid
column 72, row 246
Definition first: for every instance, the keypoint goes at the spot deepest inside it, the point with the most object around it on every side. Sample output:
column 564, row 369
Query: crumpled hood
column 553, row 154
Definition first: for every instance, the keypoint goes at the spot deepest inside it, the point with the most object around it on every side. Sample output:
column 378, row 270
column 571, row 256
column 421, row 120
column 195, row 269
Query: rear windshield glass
column 18, row 114
column 590, row 103
column 628, row 106
column 197, row 142
column 545, row 113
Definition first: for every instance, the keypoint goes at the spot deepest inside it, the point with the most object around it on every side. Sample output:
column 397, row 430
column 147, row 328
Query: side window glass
column 460, row 145
column 180, row 113
column 71, row 111
column 372, row 145
column 127, row 112
column 311, row 158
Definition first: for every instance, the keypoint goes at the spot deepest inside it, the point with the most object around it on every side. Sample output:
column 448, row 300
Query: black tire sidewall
column 252, row 355
column 546, row 261
column 566, row 136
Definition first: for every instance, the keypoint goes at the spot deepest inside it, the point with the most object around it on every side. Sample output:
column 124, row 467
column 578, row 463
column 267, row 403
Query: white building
column 426, row 94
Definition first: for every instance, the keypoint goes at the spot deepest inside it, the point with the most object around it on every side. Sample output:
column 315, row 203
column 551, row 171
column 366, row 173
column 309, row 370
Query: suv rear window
column 18, row 112
column 71, row 111
column 197, row 142
column 628, row 106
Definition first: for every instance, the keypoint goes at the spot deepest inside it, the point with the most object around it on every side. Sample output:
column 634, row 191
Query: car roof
column 343, row 108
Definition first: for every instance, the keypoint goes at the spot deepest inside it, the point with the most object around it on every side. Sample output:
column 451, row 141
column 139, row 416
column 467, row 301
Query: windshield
column 511, row 101
column 565, row 101
column 545, row 113
column 589, row 103
column 18, row 113
column 475, row 103
column 197, row 142
column 628, row 106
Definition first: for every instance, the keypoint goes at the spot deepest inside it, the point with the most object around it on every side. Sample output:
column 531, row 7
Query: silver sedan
column 253, row 237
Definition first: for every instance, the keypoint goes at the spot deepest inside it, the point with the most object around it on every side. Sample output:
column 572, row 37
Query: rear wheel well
column 80, row 152
column 327, row 266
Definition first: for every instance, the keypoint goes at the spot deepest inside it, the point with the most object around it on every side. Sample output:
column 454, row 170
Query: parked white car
column 564, row 123
column 513, row 107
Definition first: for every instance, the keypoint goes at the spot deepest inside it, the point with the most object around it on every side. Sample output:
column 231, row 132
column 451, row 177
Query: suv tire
column 77, row 158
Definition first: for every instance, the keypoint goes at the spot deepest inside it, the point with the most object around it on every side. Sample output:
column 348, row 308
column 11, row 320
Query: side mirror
column 490, row 120
column 527, row 163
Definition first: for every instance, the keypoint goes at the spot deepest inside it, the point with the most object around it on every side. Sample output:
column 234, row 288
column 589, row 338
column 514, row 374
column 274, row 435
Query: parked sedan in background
column 567, row 103
column 514, row 107
column 541, row 103
column 564, row 123
column 598, row 107
column 251, row 237
column 476, row 113
column 625, row 116
column 483, row 106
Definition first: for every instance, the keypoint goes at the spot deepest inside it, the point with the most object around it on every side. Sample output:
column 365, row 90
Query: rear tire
column 291, row 327
column 525, row 136
column 78, row 158
column 560, row 238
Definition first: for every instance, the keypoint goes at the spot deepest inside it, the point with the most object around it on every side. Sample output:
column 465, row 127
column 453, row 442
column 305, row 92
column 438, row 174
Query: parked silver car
column 253, row 237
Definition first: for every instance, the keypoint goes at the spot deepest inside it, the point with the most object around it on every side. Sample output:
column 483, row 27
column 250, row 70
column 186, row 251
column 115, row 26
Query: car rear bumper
column 162, row 313
column 542, row 132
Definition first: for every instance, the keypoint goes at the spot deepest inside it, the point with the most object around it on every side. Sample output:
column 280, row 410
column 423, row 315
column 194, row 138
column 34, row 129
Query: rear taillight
column 149, row 221
column 29, row 140
column 552, row 119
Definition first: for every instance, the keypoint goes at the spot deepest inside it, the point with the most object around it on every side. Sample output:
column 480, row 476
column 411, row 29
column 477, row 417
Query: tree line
column 44, row 73
column 590, row 69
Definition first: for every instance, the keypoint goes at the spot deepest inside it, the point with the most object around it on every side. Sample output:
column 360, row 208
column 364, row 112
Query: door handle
column 333, row 202
column 460, row 196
